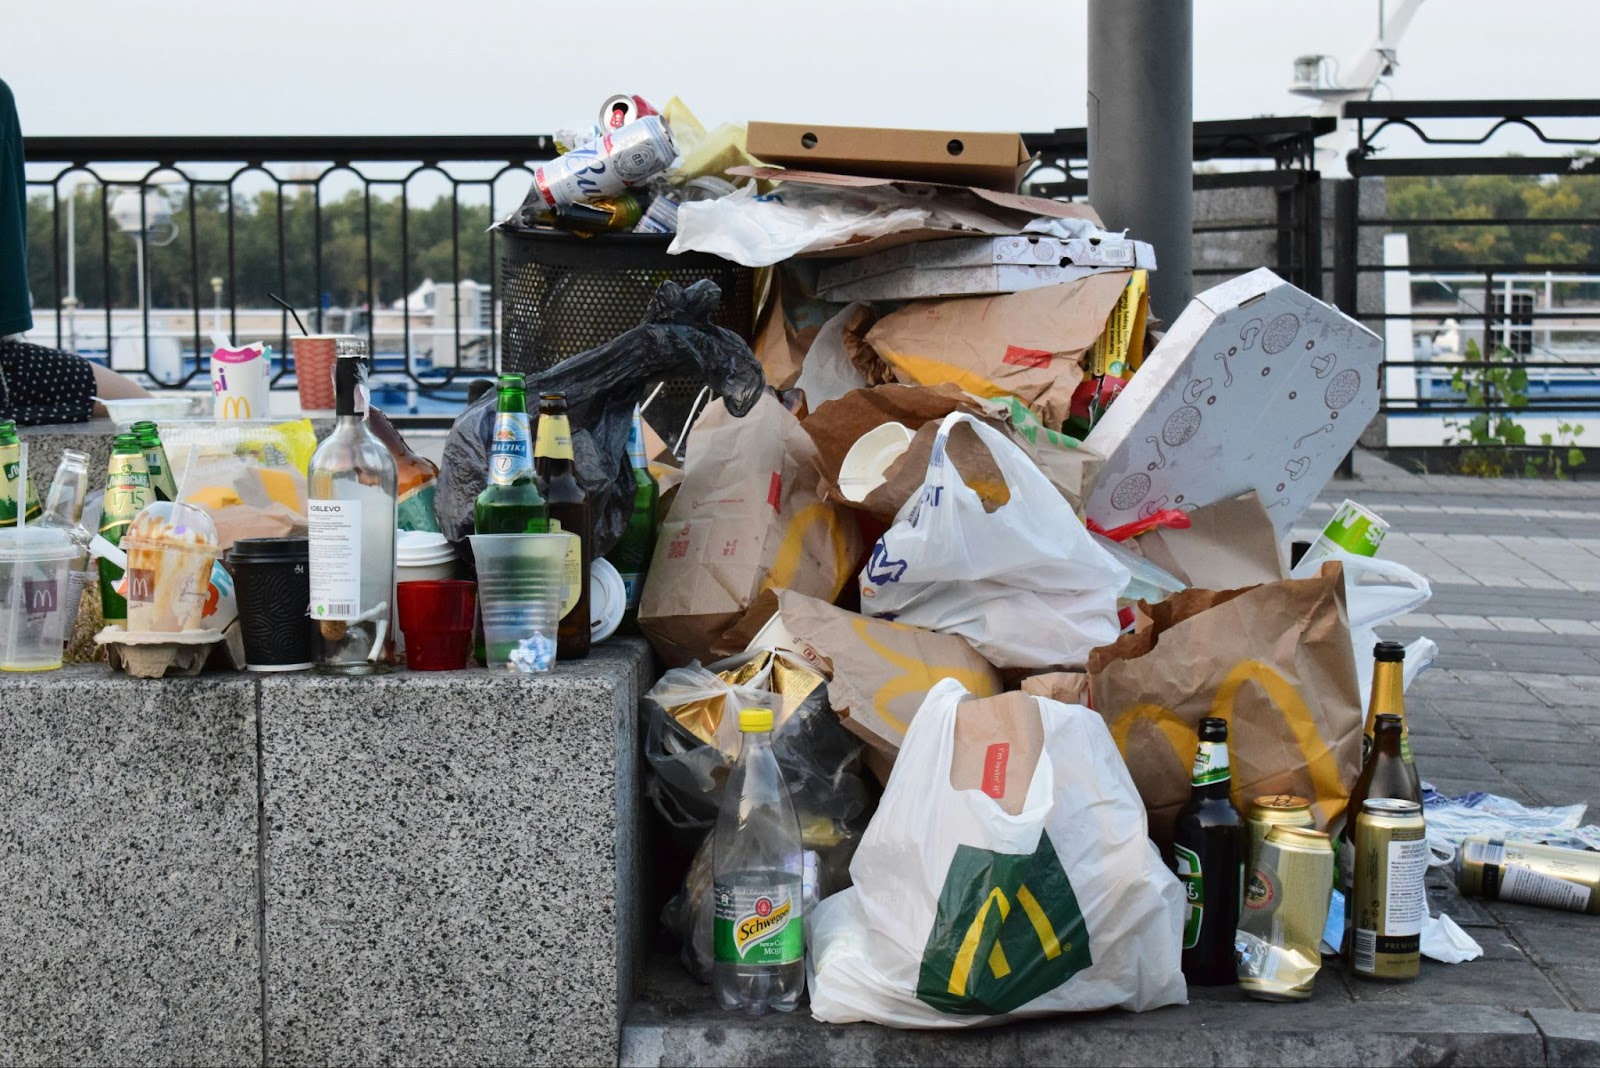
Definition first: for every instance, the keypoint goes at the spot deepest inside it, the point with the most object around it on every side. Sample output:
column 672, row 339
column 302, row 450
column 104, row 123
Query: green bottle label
column 1405, row 748
column 1194, row 891
column 414, row 511
column 1210, row 764
column 757, row 926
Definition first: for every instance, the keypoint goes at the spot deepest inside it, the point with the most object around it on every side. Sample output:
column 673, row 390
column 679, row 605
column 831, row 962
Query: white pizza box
column 920, row 283
column 1257, row 386
column 1108, row 251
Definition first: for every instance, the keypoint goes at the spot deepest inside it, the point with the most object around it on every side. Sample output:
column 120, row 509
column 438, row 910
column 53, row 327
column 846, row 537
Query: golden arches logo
column 1314, row 749
column 999, row 967
column 916, row 677
column 235, row 407
column 787, row 561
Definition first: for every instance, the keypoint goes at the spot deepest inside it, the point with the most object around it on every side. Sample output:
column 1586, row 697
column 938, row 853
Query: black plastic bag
column 602, row 385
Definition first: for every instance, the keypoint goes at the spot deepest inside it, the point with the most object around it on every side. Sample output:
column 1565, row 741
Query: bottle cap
column 755, row 719
column 1389, row 653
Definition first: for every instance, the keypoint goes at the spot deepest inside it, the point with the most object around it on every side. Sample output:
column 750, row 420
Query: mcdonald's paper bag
column 746, row 517
column 1273, row 660
column 880, row 671
column 966, row 910
column 1028, row 345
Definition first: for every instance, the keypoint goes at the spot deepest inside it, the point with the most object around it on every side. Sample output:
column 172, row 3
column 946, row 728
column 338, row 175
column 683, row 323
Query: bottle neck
column 1211, row 775
column 552, row 451
column 636, row 454
column 65, row 506
column 346, row 380
column 1388, row 692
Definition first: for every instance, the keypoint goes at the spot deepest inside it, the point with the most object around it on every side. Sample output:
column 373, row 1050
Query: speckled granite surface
column 445, row 858
column 443, row 863
column 128, row 848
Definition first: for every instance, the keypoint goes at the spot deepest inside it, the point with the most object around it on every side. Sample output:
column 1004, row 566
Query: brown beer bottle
column 1208, row 847
column 569, row 512
column 1389, row 698
column 1385, row 774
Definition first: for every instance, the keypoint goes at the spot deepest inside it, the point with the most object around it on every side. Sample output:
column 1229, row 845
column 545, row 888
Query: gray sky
column 501, row 66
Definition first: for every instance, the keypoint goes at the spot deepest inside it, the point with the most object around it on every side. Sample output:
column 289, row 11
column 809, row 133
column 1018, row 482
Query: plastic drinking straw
column 188, row 472
column 286, row 306
column 16, row 565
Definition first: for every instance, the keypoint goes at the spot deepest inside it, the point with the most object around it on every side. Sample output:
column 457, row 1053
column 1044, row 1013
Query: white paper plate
column 608, row 597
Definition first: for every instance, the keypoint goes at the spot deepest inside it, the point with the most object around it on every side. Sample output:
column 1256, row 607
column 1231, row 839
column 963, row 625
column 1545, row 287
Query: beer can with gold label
column 1272, row 811
column 1391, row 900
column 1279, row 940
column 1531, row 874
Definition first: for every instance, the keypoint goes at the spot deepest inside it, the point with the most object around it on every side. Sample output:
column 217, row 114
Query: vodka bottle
column 758, row 934
column 350, row 521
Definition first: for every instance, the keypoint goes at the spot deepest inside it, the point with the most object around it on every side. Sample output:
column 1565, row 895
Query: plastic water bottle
column 756, row 892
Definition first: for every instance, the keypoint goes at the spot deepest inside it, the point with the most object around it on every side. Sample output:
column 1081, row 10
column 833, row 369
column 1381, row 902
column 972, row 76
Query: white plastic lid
column 36, row 543
column 608, row 598
column 173, row 521
column 418, row 548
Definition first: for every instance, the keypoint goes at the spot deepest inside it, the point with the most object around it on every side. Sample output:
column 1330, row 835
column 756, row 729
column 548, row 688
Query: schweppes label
column 757, row 925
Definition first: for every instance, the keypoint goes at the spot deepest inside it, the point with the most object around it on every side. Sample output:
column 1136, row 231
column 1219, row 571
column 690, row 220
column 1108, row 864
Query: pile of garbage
column 999, row 540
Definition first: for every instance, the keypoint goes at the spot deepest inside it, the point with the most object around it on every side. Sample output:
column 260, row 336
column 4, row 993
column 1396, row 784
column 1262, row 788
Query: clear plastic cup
column 34, row 566
column 521, row 587
column 171, row 548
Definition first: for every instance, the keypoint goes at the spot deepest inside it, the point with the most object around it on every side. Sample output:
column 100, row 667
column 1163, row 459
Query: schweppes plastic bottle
column 127, row 494
column 758, row 933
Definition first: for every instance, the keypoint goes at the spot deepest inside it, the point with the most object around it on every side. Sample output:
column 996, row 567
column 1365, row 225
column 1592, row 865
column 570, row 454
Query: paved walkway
column 1512, row 706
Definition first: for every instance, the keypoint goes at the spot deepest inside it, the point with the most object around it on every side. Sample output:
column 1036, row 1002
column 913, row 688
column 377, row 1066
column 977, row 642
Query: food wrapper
column 708, row 717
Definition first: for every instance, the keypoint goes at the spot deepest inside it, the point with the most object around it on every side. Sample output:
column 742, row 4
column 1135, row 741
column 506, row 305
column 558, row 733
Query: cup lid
column 36, row 543
column 414, row 547
column 270, row 549
column 608, row 598
column 174, row 520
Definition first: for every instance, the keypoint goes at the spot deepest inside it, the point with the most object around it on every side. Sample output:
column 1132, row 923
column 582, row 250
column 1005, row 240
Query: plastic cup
column 436, row 617
column 171, row 549
column 273, row 578
column 521, row 587
column 313, row 370
column 34, row 566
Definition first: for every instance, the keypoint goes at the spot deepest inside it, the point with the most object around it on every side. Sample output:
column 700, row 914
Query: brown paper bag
column 997, row 745
column 881, row 671
column 1029, row 345
column 1274, row 660
column 747, row 516
column 1068, row 687
column 1228, row 545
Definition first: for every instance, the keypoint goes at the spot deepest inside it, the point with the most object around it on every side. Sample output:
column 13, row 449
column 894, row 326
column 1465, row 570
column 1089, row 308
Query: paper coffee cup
column 241, row 383
column 1355, row 529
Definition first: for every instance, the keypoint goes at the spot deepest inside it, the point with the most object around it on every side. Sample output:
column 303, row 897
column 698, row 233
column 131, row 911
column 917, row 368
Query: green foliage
column 1499, row 386
column 181, row 273
column 1495, row 197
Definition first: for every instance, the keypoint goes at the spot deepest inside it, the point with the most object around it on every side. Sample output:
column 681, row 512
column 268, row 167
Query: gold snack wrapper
column 775, row 672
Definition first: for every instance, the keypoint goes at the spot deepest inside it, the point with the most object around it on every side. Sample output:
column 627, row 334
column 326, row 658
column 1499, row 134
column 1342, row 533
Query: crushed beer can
column 619, row 161
column 1278, row 943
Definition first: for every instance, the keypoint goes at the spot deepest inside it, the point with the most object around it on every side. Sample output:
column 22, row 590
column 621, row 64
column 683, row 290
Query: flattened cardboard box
column 991, row 160
column 1027, row 250
column 1257, row 385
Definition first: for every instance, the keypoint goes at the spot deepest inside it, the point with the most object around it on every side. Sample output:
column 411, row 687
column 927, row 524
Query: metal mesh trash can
column 561, row 294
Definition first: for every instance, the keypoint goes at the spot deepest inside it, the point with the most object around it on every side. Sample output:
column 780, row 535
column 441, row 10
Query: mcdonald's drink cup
column 240, row 382
column 1357, row 530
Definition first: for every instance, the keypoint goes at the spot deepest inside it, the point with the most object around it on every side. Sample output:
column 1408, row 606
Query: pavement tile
column 1514, row 984
column 1456, row 710
column 1469, row 768
column 1542, row 777
column 1549, row 944
column 1518, row 625
column 1577, row 749
column 1428, row 746
column 1458, row 622
column 1571, row 626
column 1583, row 986
column 1490, row 731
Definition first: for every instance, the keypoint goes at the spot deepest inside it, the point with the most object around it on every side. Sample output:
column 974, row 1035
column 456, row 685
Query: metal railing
column 1543, row 311
column 211, row 193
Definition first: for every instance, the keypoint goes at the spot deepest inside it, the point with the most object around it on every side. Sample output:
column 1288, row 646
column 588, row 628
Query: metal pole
column 1141, row 133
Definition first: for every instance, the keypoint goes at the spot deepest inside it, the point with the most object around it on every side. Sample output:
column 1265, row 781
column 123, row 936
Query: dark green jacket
column 16, row 311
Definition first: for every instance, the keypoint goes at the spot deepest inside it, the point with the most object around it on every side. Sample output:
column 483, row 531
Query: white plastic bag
column 962, row 914
column 1025, row 584
column 1376, row 592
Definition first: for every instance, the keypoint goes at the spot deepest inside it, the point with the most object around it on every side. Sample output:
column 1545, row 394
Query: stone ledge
column 1570, row 1038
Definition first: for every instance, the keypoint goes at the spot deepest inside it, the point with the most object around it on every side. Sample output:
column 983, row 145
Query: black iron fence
column 1490, row 300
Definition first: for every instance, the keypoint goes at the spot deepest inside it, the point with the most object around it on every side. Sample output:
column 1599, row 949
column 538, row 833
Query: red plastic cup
column 436, row 617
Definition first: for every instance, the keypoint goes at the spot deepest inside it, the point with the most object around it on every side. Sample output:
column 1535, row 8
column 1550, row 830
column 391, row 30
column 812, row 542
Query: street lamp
column 144, row 214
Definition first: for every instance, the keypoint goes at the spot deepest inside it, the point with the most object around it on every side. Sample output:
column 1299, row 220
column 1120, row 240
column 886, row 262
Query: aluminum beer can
column 623, row 108
column 622, row 159
column 1529, row 873
column 1278, row 946
column 1391, row 900
column 1272, row 811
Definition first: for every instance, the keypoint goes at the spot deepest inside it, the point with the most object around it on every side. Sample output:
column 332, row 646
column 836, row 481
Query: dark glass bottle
column 631, row 555
column 569, row 512
column 1389, row 697
column 1208, row 845
column 1386, row 773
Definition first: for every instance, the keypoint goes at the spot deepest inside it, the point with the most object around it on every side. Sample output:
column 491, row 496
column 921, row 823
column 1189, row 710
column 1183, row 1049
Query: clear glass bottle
column 758, row 868
column 350, row 519
column 64, row 510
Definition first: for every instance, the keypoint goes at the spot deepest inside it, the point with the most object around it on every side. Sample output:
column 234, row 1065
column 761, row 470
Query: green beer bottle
column 11, row 466
column 511, row 503
column 632, row 552
column 127, row 494
column 155, row 460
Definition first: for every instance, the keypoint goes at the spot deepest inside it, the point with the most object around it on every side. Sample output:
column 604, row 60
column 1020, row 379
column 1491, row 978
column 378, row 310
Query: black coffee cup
column 272, row 577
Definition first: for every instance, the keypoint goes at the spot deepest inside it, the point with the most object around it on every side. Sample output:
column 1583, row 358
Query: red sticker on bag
column 775, row 491
column 1026, row 357
column 994, row 769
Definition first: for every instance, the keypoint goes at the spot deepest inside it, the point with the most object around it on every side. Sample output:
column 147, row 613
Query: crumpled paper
column 1443, row 940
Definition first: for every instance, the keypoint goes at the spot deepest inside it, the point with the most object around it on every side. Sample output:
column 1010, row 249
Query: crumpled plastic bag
column 603, row 385
column 759, row 230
